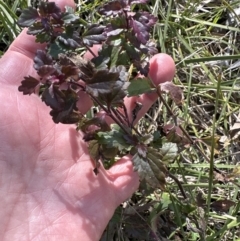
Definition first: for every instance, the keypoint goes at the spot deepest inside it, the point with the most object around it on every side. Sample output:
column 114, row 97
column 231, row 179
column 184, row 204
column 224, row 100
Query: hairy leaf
column 28, row 17
column 28, row 85
column 93, row 147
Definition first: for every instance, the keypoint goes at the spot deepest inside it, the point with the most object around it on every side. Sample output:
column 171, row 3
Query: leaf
column 42, row 37
column 222, row 205
column 103, row 76
column 48, row 8
column 96, row 121
column 113, row 8
column 174, row 134
column 55, row 49
column 139, row 30
column 235, row 173
column 68, row 42
column 63, row 104
column 174, row 91
column 69, row 16
column 160, row 176
column 37, row 28
column 114, row 138
column 93, row 148
column 139, row 86
column 109, row 86
column 28, row 17
column 169, row 151
column 109, row 153
column 141, row 24
column 94, row 35
column 108, row 55
column 45, row 71
column 28, row 85
column 42, row 58
column 144, row 171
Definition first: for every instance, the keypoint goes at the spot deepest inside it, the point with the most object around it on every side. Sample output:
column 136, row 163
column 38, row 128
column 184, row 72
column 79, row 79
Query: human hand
column 47, row 186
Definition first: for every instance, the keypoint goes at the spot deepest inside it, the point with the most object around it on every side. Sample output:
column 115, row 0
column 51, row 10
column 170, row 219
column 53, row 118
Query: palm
column 48, row 173
column 47, row 184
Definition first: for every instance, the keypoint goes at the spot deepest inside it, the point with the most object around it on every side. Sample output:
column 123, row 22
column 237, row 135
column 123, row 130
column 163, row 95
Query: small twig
column 179, row 184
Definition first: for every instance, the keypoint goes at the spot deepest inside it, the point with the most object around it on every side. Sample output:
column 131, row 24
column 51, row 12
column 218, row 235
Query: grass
column 203, row 39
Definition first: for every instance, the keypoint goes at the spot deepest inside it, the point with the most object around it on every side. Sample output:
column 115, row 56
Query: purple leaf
column 94, row 35
column 63, row 104
column 35, row 29
column 48, row 8
column 45, row 71
column 69, row 42
column 109, row 93
column 42, row 58
column 28, row 17
column 141, row 24
column 28, row 85
column 114, row 8
column 139, row 30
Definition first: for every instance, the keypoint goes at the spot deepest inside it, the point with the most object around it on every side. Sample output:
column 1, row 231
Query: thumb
column 125, row 180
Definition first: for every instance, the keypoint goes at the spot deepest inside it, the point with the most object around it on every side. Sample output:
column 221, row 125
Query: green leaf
column 114, row 138
column 114, row 55
column 55, row 49
column 139, row 86
column 69, row 16
column 93, row 148
column 42, row 38
column 169, row 151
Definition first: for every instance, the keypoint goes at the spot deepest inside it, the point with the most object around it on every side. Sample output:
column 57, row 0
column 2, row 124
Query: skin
column 47, row 186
